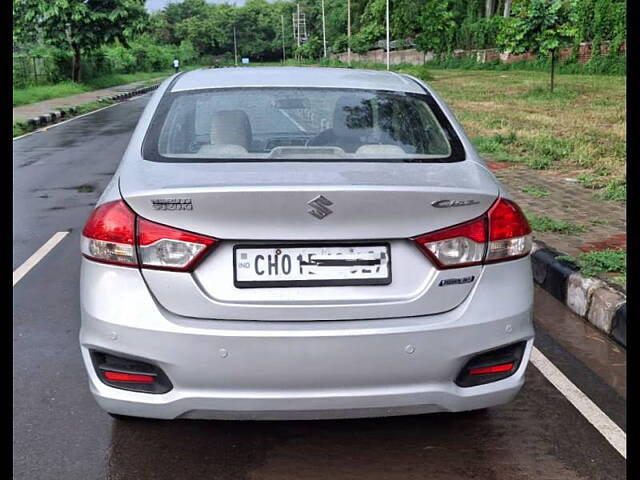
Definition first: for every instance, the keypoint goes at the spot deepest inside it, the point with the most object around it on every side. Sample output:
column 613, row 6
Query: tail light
column 502, row 233
column 115, row 234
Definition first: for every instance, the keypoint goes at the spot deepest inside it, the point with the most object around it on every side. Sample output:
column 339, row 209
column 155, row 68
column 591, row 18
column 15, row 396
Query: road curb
column 67, row 112
column 593, row 299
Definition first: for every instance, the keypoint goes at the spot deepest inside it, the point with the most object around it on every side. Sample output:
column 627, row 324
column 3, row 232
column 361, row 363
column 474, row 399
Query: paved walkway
column 41, row 108
column 567, row 200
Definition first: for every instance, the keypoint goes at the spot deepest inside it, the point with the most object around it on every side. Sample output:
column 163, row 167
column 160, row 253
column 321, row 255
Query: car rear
column 303, row 251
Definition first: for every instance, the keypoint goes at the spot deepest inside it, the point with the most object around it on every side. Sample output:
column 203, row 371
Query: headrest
column 352, row 116
column 230, row 127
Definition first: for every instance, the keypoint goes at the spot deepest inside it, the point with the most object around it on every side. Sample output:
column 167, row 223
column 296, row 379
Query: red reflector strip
column 493, row 369
column 128, row 377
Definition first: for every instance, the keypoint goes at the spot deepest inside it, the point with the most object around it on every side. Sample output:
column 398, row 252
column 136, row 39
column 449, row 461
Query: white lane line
column 589, row 410
column 33, row 260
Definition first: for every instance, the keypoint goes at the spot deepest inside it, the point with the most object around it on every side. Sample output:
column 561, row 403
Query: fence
column 28, row 70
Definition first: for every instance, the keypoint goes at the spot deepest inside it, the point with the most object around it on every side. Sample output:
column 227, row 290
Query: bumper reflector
column 491, row 366
column 128, row 377
column 129, row 374
column 494, row 369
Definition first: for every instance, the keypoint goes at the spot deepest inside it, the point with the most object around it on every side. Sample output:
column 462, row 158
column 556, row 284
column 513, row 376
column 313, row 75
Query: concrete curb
column 67, row 112
column 593, row 299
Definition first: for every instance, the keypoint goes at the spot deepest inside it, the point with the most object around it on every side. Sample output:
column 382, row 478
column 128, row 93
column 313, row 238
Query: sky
column 154, row 5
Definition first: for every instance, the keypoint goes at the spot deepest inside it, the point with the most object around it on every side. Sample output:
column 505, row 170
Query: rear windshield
column 262, row 124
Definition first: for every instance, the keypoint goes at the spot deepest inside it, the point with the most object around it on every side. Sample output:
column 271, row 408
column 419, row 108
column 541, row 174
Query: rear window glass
column 298, row 124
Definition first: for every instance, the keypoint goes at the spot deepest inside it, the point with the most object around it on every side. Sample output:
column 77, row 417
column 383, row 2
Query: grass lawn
column 38, row 93
column 511, row 116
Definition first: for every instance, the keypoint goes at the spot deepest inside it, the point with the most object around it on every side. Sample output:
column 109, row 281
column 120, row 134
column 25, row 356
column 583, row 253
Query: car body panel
column 286, row 370
column 264, row 353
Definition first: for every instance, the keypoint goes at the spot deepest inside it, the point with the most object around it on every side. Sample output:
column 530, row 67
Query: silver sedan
column 301, row 243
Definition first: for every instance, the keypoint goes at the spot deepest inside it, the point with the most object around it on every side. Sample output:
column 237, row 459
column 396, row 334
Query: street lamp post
column 387, row 34
column 349, row 32
column 324, row 33
column 235, row 46
column 284, row 55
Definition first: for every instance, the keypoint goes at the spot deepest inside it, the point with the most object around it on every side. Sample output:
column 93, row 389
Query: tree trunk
column 553, row 67
column 507, row 8
column 488, row 8
column 75, row 73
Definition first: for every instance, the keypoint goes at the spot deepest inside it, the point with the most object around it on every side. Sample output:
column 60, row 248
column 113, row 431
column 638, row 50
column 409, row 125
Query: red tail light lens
column 502, row 233
column 109, row 236
column 168, row 248
column 509, row 232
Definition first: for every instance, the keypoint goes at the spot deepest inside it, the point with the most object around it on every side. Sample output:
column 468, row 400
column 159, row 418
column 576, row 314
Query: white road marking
column 589, row 410
column 33, row 260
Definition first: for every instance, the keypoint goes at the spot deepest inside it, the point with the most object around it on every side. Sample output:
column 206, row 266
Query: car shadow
column 156, row 449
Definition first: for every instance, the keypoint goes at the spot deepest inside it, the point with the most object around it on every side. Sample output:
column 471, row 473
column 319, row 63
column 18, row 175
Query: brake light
column 502, row 233
column 109, row 236
column 509, row 232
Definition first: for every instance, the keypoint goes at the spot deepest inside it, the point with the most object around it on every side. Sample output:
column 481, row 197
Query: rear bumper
column 304, row 370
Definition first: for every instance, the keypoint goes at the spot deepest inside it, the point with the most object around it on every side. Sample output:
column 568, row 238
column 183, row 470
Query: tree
column 437, row 27
column 539, row 26
column 82, row 25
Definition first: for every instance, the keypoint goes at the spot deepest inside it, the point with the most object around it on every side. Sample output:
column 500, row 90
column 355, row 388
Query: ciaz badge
column 453, row 203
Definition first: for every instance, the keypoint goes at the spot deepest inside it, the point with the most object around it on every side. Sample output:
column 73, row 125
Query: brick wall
column 489, row 55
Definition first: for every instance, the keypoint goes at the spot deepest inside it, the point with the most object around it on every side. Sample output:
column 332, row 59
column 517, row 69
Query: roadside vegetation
column 611, row 262
column 538, row 192
column 579, row 129
column 543, row 224
column 38, row 93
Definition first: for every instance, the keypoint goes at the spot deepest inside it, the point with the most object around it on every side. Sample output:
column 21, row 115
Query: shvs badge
column 172, row 204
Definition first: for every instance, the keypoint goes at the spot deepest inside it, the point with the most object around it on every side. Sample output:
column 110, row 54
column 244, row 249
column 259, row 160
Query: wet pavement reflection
column 527, row 438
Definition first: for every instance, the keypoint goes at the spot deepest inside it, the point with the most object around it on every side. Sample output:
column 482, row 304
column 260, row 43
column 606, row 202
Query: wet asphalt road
column 59, row 432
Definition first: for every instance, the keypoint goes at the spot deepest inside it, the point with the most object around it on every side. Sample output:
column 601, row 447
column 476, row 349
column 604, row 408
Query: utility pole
column 235, row 46
column 324, row 33
column 284, row 55
column 298, row 19
column 349, row 32
column 387, row 34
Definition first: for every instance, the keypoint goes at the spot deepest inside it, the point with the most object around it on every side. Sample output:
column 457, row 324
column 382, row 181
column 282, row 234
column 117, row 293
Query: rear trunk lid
column 326, row 204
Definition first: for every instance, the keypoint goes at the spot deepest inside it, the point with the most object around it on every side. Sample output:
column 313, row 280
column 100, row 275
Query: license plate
column 311, row 265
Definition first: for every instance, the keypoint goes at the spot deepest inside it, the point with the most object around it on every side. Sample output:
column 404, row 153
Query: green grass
column 19, row 128
column 609, row 188
column 542, row 224
column 91, row 106
column 38, row 93
column 512, row 116
column 599, row 262
column 538, row 192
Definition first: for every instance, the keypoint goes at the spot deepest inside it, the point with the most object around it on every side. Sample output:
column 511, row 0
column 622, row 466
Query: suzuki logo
column 320, row 205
